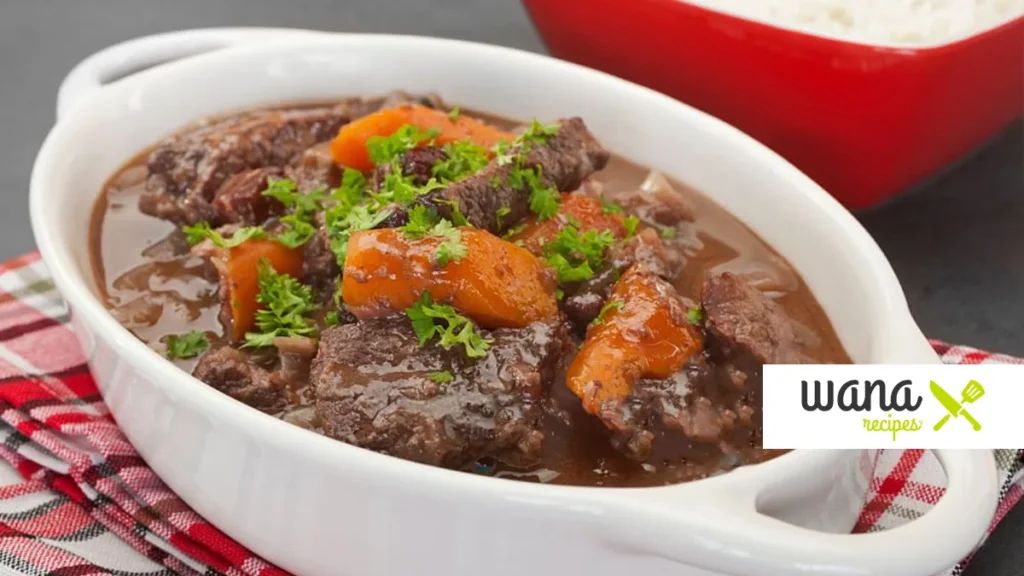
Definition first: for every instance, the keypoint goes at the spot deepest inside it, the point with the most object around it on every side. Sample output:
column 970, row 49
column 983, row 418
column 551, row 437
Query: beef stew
column 456, row 289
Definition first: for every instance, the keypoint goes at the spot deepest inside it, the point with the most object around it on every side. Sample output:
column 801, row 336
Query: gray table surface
column 955, row 241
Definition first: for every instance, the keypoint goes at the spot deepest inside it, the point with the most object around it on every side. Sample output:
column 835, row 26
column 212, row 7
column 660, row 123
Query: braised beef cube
column 695, row 414
column 416, row 164
column 240, row 376
column 314, row 169
column 584, row 304
column 241, row 201
column 320, row 264
column 742, row 322
column 564, row 161
column 376, row 387
column 186, row 171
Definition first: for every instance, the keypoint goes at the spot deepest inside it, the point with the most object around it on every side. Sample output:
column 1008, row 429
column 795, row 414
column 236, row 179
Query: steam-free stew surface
column 156, row 287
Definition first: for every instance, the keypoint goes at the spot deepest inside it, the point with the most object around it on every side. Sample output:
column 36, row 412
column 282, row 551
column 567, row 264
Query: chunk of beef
column 417, row 164
column 565, row 160
column 376, row 387
column 241, row 201
column 320, row 264
column 314, row 169
column 186, row 171
column 698, row 413
column 656, row 203
column 583, row 301
column 741, row 321
column 240, row 376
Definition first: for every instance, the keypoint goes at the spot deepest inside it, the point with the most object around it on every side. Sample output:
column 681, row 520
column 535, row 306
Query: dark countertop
column 955, row 242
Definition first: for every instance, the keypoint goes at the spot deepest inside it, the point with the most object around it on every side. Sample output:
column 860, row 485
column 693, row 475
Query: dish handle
column 127, row 58
column 734, row 537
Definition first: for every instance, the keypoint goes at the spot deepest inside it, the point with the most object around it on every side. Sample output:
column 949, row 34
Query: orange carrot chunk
column 496, row 284
column 349, row 147
column 643, row 332
column 239, row 278
column 585, row 212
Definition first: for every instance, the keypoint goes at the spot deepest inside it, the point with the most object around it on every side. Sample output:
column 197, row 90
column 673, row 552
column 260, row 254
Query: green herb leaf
column 607, row 309
column 544, row 202
column 695, row 315
column 202, row 231
column 442, row 376
column 513, row 231
column 451, row 249
column 608, row 207
column 341, row 224
column 384, row 149
column 463, row 159
column 431, row 320
column 286, row 304
column 421, row 221
column 454, row 114
column 352, row 190
column 537, row 133
column 286, row 192
column 299, row 231
column 187, row 345
column 668, row 232
column 502, row 212
column 631, row 224
column 576, row 256
column 331, row 318
column 458, row 218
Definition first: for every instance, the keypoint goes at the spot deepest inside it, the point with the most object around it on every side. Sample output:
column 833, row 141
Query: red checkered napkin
column 75, row 498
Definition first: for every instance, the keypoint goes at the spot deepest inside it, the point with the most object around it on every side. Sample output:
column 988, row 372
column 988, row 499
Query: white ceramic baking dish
column 316, row 506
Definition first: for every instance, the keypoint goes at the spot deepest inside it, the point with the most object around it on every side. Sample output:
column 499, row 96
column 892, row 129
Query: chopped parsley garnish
column 430, row 320
column 502, row 212
column 695, row 315
column 463, row 159
column 513, row 231
column 187, row 345
column 441, row 376
column 458, row 218
column 537, row 133
column 425, row 222
column 608, row 207
column 384, row 149
column 342, row 224
column 202, row 231
column 400, row 189
column 668, row 232
column 331, row 318
column 421, row 221
column 299, row 231
column 611, row 305
column 352, row 189
column 576, row 256
column 286, row 192
column 454, row 114
column 451, row 248
column 544, row 200
column 631, row 224
column 286, row 304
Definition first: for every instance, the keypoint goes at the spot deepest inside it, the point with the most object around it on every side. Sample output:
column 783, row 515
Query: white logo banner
column 852, row 406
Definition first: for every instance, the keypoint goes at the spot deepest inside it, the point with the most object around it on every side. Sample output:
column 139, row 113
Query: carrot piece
column 497, row 284
column 239, row 279
column 643, row 333
column 349, row 147
column 587, row 212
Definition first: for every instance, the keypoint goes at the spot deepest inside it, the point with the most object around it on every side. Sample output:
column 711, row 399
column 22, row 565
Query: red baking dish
column 866, row 122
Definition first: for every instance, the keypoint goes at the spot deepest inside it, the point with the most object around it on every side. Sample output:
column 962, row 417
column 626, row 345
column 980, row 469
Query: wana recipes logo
column 886, row 406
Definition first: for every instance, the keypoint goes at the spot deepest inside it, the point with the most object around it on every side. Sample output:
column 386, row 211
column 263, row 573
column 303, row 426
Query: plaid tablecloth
column 75, row 498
